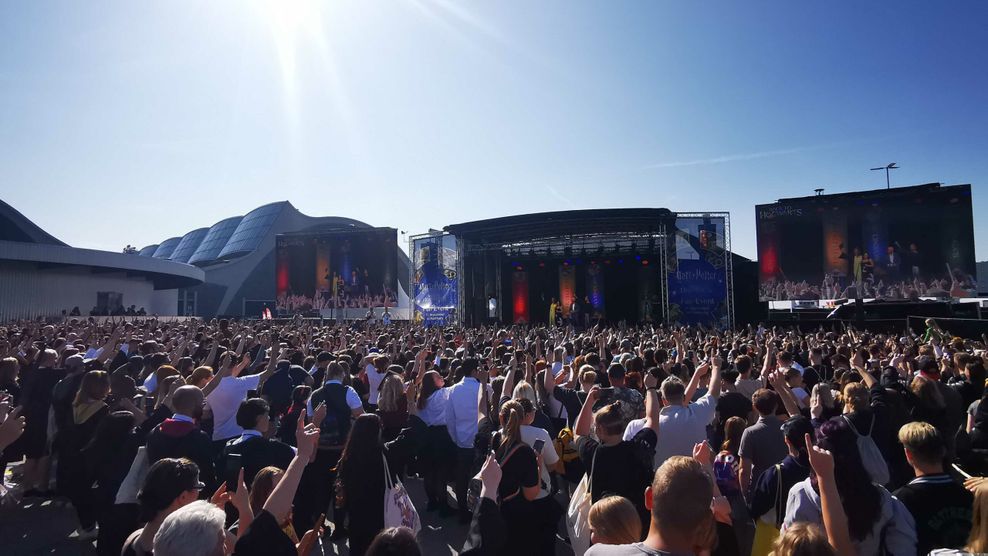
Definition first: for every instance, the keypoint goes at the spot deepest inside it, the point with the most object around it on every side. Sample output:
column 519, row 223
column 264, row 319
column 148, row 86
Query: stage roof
column 552, row 224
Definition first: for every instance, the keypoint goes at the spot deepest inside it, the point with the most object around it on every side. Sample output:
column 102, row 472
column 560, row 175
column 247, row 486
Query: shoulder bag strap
column 388, row 483
column 871, row 427
column 502, row 464
column 850, row 424
column 779, row 497
column 593, row 467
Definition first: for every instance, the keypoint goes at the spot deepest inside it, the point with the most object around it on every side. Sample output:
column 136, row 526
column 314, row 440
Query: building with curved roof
column 41, row 276
column 237, row 255
column 166, row 248
column 148, row 251
column 190, row 242
column 215, row 240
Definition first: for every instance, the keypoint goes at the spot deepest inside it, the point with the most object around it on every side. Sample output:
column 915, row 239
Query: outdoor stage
column 632, row 265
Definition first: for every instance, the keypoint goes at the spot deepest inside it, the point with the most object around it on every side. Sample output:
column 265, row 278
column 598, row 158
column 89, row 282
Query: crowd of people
column 201, row 438
column 290, row 304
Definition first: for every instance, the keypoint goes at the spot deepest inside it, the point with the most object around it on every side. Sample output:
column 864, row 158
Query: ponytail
column 511, row 417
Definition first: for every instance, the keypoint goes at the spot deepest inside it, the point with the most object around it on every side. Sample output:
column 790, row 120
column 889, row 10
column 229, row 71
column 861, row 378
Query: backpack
column 565, row 446
column 871, row 456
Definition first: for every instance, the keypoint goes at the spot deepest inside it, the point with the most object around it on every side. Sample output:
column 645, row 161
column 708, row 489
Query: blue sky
column 130, row 122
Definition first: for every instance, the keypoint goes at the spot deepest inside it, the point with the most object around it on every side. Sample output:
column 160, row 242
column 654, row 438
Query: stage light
column 638, row 257
column 620, row 261
column 608, row 261
column 516, row 263
column 645, row 262
column 565, row 263
column 541, row 264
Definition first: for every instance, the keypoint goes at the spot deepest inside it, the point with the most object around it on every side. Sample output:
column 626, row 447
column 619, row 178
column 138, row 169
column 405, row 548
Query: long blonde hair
column 614, row 520
column 391, row 390
column 977, row 542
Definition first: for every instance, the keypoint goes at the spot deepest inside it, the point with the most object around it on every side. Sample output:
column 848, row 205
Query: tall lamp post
column 892, row 166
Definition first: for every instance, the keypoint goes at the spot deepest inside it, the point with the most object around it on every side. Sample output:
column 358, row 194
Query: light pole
column 892, row 166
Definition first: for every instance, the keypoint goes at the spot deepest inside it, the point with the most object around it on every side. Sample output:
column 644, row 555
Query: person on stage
column 553, row 309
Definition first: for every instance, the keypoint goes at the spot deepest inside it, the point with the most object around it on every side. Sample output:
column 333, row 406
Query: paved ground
column 47, row 527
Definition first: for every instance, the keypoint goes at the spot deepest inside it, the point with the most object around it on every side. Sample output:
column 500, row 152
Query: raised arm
column 652, row 404
column 714, row 387
column 834, row 518
column 694, row 383
column 585, row 419
column 509, row 381
column 778, row 382
column 279, row 502
column 549, row 381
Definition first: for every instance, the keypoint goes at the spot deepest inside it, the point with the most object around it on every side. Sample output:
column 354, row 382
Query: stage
column 609, row 265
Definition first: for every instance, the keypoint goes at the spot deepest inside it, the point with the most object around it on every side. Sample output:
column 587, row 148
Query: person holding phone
column 617, row 466
column 547, row 508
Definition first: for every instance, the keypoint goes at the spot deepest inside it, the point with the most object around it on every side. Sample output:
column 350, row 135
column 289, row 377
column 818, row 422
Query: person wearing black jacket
column 180, row 436
column 277, row 389
column 256, row 452
column 766, row 498
column 940, row 505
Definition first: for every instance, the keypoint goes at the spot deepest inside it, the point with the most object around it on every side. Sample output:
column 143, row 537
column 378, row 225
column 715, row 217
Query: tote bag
column 131, row 485
column 766, row 532
column 398, row 508
column 577, row 522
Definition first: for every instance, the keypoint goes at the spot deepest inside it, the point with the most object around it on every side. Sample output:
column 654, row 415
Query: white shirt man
column 682, row 426
column 224, row 401
column 374, row 380
column 462, row 410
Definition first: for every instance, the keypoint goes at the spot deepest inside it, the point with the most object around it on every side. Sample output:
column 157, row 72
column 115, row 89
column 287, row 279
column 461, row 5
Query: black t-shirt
column 624, row 469
column 572, row 400
column 264, row 537
column 519, row 469
column 942, row 510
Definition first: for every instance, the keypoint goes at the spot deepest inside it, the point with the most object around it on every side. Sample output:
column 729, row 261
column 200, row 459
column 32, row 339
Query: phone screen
column 232, row 472
column 538, row 446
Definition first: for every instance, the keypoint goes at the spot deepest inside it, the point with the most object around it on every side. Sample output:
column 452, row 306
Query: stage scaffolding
column 583, row 234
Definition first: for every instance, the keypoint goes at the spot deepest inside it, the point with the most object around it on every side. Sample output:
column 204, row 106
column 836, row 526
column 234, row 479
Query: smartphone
column 232, row 472
column 606, row 394
column 538, row 445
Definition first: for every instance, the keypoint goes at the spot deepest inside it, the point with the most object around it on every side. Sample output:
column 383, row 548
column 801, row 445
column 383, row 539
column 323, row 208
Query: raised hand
column 703, row 454
column 821, row 460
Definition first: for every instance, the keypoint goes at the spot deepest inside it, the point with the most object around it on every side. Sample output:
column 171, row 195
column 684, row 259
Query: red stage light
column 644, row 262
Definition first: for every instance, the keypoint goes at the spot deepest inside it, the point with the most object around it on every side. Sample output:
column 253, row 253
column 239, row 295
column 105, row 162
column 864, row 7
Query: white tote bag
column 132, row 483
column 577, row 522
column 398, row 508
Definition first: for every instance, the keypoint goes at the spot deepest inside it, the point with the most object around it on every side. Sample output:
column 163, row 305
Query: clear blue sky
column 129, row 122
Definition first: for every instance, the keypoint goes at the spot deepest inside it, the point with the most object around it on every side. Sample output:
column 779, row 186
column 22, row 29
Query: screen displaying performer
column 333, row 270
column 902, row 243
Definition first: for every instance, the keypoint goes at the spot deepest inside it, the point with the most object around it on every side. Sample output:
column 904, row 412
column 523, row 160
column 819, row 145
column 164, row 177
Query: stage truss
column 618, row 240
